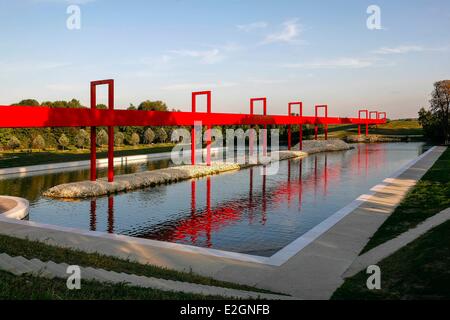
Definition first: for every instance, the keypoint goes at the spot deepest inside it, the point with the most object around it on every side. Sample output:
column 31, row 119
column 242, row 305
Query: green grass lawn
column 392, row 128
column 421, row 270
column 34, row 249
column 34, row 288
column 428, row 197
column 21, row 159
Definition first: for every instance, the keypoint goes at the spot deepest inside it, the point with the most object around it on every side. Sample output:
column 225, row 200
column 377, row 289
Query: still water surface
column 242, row 211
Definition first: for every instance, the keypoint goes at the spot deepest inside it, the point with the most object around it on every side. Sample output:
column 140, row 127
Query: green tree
column 63, row 141
column 149, row 136
column 13, row 143
column 161, row 135
column 82, row 139
column 134, row 140
column 436, row 120
column 27, row 102
column 118, row 139
column 38, row 142
column 152, row 106
column 102, row 138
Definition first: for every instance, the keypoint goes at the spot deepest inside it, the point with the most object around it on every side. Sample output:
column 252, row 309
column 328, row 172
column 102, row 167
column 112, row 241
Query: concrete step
column 29, row 264
column 14, row 266
column 95, row 274
column 41, row 269
column 6, row 263
column 21, row 265
column 56, row 269
column 38, row 264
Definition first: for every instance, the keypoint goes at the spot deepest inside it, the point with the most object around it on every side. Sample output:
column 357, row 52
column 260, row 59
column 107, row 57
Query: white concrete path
column 386, row 249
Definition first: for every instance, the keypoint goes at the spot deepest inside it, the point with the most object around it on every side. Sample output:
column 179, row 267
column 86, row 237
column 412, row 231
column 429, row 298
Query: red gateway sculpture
column 39, row 117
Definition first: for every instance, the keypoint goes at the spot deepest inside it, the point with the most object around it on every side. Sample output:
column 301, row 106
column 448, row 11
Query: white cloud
column 196, row 86
column 20, row 66
column 215, row 53
column 252, row 26
column 352, row 63
column 289, row 34
column 399, row 49
column 403, row 49
column 65, row 1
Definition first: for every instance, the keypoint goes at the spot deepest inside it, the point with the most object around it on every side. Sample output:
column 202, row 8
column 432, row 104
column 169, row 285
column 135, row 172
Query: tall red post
column 366, row 112
column 252, row 102
column 208, row 127
column 193, row 132
column 316, row 128
column 93, row 135
column 300, row 143
column 94, row 85
column 111, row 134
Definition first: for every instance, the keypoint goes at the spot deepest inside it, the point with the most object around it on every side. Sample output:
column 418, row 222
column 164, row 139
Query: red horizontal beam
column 37, row 117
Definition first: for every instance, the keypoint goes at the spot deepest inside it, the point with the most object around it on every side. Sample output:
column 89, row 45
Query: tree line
column 79, row 137
column 436, row 119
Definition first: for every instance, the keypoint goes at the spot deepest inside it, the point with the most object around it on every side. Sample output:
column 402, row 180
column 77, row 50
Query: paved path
column 311, row 273
column 386, row 249
column 20, row 266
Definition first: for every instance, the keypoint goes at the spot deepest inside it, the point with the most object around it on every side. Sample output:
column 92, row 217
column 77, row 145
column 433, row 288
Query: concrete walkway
column 35, row 267
column 311, row 268
column 386, row 249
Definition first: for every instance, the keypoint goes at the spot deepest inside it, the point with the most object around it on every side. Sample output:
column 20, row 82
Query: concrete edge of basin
column 19, row 210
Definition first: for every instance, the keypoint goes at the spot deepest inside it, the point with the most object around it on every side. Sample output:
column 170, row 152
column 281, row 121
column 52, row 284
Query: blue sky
column 315, row 51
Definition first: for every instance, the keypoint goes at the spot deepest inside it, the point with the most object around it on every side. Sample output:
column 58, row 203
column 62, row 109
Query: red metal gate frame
column 110, row 84
column 208, row 130
column 300, row 143
column 252, row 109
column 316, row 126
column 44, row 117
column 366, row 121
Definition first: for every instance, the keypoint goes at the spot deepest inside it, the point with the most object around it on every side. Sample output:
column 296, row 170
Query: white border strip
column 277, row 259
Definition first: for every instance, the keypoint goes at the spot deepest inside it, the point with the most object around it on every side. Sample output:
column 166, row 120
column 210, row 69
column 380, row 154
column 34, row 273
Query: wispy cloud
column 352, row 63
column 64, row 1
column 206, row 56
column 214, row 54
column 403, row 49
column 19, row 66
column 195, row 85
column 289, row 34
column 252, row 26
column 399, row 49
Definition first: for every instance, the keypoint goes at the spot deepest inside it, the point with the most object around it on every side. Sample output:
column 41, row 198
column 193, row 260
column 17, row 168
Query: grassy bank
column 34, row 288
column 428, row 197
column 25, row 158
column 34, row 249
column 392, row 128
column 418, row 271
